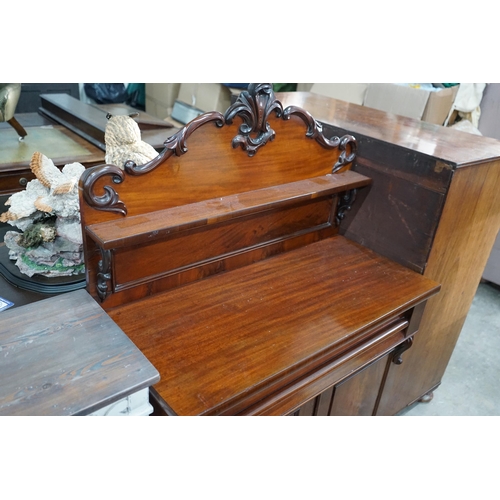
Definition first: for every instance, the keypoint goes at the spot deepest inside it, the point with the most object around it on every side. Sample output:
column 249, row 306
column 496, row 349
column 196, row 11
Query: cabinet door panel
column 357, row 395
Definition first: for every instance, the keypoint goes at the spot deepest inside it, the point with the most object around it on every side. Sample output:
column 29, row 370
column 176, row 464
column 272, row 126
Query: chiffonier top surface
column 452, row 146
column 222, row 341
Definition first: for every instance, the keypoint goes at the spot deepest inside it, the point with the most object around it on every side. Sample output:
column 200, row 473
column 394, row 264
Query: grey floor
column 471, row 383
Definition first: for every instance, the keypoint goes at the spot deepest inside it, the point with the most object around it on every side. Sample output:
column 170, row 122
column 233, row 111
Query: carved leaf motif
column 254, row 106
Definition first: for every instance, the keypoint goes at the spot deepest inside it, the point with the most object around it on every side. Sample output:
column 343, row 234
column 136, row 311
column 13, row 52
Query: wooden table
column 66, row 130
column 64, row 356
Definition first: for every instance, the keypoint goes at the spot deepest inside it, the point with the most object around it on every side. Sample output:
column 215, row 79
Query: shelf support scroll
column 109, row 201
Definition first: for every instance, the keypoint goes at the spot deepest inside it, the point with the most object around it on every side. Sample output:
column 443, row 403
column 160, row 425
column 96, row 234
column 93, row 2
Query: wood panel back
column 212, row 168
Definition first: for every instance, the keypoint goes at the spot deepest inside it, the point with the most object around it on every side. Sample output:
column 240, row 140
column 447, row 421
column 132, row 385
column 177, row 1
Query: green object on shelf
column 284, row 87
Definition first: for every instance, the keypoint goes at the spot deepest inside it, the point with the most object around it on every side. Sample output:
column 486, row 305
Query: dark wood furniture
column 63, row 118
column 222, row 260
column 89, row 121
column 15, row 174
column 64, row 356
column 30, row 100
column 433, row 206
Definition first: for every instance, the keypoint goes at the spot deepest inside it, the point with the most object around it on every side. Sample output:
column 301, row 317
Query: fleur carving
column 254, row 107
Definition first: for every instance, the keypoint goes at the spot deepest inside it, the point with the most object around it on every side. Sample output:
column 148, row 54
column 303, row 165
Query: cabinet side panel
column 463, row 242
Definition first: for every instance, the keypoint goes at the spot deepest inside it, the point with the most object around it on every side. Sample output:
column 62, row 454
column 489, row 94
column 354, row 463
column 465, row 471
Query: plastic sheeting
column 467, row 102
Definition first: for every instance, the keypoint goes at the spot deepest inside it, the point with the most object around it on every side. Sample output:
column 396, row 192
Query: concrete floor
column 471, row 383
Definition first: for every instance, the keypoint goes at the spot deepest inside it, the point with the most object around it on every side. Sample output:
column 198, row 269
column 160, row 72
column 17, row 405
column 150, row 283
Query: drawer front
column 302, row 396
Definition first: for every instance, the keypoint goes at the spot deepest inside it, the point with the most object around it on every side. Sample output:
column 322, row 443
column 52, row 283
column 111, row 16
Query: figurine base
column 36, row 283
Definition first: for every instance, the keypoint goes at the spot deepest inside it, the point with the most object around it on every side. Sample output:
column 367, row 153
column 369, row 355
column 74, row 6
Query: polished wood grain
column 459, row 148
column 64, row 356
column 231, row 340
column 212, row 172
column 212, row 168
column 222, row 234
column 161, row 223
column 358, row 394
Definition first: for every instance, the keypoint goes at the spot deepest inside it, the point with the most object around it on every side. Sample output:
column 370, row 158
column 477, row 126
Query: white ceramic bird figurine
column 53, row 191
column 123, row 142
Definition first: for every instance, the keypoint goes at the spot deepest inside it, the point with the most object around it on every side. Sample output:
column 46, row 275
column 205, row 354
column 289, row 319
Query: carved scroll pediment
column 253, row 107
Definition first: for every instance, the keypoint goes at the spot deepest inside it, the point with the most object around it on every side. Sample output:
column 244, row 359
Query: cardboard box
column 418, row 103
column 205, row 96
column 350, row 92
column 439, row 105
column 160, row 98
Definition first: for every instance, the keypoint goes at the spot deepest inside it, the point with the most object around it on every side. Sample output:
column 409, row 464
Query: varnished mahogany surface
column 64, row 356
column 223, row 343
column 455, row 147
column 156, row 225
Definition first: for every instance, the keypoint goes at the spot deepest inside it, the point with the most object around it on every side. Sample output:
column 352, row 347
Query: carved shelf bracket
column 254, row 106
column 348, row 147
column 175, row 144
column 345, row 202
column 398, row 352
column 314, row 128
column 347, row 144
column 104, row 274
column 110, row 201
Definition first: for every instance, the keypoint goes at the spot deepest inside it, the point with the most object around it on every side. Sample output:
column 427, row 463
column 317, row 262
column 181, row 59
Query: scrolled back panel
column 209, row 159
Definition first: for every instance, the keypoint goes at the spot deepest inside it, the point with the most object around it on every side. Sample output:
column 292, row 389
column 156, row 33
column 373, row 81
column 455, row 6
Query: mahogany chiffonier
column 222, row 259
